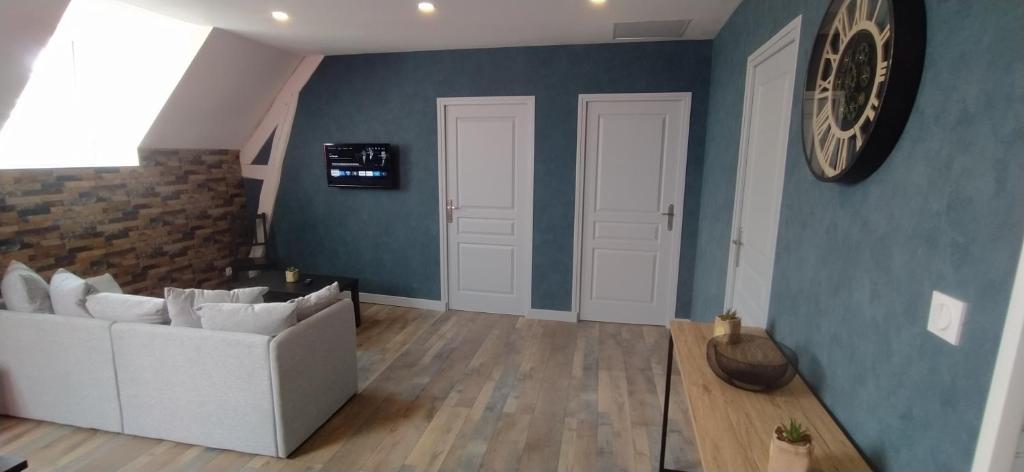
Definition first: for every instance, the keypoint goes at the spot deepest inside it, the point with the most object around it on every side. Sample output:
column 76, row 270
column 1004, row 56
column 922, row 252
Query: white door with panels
column 486, row 181
column 633, row 149
column 764, row 141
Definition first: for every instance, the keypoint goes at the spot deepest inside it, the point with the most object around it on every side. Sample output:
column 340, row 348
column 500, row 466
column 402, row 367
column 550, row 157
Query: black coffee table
column 12, row 464
column 281, row 291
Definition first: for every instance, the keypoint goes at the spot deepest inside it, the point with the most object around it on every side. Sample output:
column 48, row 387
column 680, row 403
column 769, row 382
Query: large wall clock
column 861, row 83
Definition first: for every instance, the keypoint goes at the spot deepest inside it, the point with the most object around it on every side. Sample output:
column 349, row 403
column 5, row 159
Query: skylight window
column 97, row 87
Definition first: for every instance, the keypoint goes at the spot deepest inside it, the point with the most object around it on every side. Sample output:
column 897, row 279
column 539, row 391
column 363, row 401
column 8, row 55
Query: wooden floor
column 445, row 391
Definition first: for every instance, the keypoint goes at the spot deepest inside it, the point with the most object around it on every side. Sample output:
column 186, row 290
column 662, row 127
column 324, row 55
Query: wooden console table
column 734, row 427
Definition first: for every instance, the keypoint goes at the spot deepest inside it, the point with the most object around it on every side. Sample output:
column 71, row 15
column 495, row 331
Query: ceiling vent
column 669, row 29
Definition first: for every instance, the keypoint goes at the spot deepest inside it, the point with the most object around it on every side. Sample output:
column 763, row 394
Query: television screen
column 367, row 165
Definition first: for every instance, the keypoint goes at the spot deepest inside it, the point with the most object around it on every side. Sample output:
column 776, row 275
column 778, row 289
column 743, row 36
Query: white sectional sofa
column 246, row 392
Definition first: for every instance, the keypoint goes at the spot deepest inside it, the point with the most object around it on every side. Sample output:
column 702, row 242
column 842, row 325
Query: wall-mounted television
column 363, row 165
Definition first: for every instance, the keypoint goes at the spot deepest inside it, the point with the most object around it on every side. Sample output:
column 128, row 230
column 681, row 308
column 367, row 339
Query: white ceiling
column 361, row 26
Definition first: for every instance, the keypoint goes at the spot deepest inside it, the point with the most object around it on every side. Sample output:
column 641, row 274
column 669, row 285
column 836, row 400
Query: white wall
column 223, row 96
column 25, row 27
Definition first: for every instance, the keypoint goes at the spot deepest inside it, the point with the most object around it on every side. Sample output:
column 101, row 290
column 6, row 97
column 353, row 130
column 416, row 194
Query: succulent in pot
column 291, row 275
column 727, row 325
column 790, row 449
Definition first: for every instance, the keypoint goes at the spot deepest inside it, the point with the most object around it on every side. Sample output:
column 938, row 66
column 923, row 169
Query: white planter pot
column 786, row 457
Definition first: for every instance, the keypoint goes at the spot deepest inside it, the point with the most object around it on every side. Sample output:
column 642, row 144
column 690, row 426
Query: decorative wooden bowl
column 755, row 363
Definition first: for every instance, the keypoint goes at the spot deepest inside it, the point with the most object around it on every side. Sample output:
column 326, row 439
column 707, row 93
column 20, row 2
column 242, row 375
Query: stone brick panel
column 175, row 220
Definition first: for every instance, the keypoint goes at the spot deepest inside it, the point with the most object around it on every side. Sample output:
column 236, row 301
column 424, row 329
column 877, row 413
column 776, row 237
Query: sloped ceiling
column 25, row 27
column 223, row 95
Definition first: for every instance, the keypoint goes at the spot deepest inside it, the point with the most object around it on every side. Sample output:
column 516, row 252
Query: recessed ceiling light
column 279, row 15
column 426, row 7
column 598, row 2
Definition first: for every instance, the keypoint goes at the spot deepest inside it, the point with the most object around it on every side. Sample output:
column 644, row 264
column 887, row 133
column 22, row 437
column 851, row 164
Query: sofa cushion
column 316, row 302
column 265, row 318
column 24, row 290
column 182, row 303
column 104, row 283
column 68, row 292
column 127, row 308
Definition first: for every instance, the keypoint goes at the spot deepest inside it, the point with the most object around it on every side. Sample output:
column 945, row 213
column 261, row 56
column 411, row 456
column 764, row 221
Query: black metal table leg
column 664, row 412
column 355, row 302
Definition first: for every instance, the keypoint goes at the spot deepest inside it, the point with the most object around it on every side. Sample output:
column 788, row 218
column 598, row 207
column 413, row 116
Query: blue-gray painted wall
column 855, row 265
column 389, row 238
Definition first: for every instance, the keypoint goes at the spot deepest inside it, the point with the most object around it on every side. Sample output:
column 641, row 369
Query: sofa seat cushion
column 127, row 308
column 182, row 303
column 267, row 319
column 24, row 290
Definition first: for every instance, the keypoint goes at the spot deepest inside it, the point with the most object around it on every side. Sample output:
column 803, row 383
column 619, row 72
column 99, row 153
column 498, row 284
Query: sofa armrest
column 196, row 386
column 58, row 368
column 313, row 372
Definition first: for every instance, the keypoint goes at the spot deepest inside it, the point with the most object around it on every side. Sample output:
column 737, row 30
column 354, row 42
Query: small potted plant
column 291, row 275
column 728, row 324
column 791, row 448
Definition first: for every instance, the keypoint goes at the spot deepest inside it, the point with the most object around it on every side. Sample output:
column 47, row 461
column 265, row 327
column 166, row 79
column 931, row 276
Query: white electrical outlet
column 946, row 317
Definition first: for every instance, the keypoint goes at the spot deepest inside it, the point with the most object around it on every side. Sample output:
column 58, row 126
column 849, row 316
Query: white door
column 487, row 198
column 634, row 166
column 762, row 166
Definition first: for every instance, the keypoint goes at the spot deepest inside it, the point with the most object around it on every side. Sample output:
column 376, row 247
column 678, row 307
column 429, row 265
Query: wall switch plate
column 946, row 317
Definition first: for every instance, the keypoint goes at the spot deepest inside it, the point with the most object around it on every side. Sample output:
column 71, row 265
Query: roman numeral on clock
column 844, row 151
column 824, row 89
column 842, row 25
column 822, row 123
column 882, row 72
column 885, row 34
column 862, row 12
column 872, row 109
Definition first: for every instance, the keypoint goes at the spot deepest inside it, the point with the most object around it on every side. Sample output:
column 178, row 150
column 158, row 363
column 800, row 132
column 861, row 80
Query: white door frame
column 442, row 187
column 577, row 246
column 787, row 36
column 1004, row 409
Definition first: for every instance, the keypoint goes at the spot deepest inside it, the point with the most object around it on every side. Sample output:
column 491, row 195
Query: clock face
column 849, row 82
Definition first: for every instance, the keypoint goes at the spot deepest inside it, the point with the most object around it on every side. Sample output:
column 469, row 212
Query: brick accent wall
column 175, row 220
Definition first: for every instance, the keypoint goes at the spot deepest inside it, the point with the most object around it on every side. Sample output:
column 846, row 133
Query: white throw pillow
column 182, row 303
column 316, row 302
column 127, row 308
column 24, row 290
column 68, row 292
column 265, row 318
column 104, row 283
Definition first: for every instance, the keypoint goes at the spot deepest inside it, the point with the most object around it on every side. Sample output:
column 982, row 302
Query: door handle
column 450, row 207
column 671, row 214
column 738, row 242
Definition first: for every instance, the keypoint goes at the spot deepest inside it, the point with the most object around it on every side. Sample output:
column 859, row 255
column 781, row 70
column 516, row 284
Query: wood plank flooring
column 450, row 391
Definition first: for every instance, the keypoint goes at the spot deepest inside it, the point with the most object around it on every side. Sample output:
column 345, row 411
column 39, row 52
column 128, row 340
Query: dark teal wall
column 855, row 265
column 389, row 239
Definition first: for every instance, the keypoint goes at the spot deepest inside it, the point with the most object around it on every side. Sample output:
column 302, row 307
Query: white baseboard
column 392, row 300
column 551, row 315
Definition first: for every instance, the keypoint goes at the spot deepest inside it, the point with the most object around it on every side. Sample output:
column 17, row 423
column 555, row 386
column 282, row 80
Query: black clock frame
column 904, row 77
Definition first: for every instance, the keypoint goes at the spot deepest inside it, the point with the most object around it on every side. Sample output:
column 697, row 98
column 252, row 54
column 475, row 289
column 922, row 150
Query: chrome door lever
column 449, row 208
column 671, row 213
column 738, row 242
